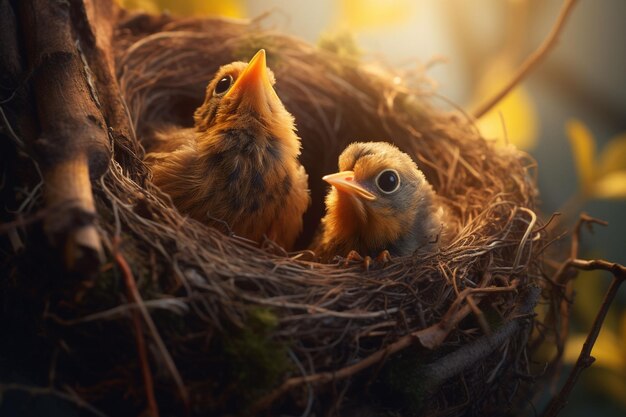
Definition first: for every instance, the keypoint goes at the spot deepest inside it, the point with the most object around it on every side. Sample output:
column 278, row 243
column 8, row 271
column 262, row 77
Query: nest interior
column 237, row 328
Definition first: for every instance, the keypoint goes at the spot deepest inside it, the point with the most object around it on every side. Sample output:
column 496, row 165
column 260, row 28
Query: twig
column 136, row 298
column 618, row 270
column 532, row 61
column 470, row 354
column 18, row 141
column 145, row 365
column 71, row 397
column 531, row 225
column 561, row 277
column 584, row 219
column 585, row 359
column 480, row 316
column 429, row 337
column 131, row 288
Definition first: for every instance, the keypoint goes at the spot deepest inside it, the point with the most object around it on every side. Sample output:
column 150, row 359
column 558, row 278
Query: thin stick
column 561, row 277
column 136, row 298
column 71, row 396
column 585, row 359
column 153, row 409
column 466, row 356
column 532, row 61
column 428, row 337
column 531, row 225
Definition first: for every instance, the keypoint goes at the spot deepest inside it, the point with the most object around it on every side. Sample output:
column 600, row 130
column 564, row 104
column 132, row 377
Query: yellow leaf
column 613, row 156
column 589, row 292
column 622, row 333
column 607, row 350
column 226, row 8
column 514, row 116
column 584, row 148
column 144, row 5
column 612, row 185
column 368, row 14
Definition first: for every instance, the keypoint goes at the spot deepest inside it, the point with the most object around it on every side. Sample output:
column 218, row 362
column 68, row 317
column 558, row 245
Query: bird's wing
column 170, row 139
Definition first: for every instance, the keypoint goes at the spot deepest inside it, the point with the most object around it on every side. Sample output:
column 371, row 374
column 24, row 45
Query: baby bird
column 239, row 163
column 380, row 201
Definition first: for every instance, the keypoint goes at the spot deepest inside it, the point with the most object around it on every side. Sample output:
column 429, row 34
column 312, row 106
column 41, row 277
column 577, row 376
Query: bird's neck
column 345, row 222
column 355, row 227
column 248, row 137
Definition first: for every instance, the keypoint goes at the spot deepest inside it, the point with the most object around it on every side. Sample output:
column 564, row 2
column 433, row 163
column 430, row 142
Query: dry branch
column 585, row 359
column 532, row 61
column 135, row 297
column 558, row 318
column 563, row 279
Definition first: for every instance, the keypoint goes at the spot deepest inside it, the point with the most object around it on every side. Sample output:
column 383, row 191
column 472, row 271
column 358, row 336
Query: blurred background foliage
column 570, row 114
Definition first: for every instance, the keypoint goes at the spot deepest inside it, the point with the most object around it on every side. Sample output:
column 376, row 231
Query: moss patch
column 255, row 360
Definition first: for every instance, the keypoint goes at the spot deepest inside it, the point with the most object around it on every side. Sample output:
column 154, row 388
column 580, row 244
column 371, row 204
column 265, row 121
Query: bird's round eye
column 223, row 85
column 388, row 181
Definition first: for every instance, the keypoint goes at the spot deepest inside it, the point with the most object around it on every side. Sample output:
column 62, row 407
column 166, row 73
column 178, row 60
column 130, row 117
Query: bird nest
column 193, row 317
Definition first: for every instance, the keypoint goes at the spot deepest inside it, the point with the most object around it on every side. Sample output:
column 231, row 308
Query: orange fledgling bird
column 239, row 163
column 380, row 201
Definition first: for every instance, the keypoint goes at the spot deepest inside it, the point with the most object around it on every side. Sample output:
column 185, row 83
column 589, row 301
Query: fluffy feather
column 370, row 221
column 239, row 164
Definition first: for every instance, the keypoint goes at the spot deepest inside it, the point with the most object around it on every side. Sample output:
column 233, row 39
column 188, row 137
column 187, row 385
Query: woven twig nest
column 239, row 328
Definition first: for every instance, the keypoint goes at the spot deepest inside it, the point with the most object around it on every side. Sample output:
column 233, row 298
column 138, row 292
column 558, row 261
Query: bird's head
column 377, row 194
column 241, row 96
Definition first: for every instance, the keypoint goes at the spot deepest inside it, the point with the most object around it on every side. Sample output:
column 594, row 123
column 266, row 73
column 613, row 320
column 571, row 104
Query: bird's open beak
column 253, row 85
column 344, row 181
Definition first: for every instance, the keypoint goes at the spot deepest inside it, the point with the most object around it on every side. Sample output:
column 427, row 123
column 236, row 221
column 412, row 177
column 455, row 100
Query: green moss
column 256, row 361
column 102, row 292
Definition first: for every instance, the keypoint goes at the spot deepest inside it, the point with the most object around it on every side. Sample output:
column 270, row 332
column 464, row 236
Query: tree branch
column 72, row 142
column 563, row 277
column 532, row 61
column 585, row 359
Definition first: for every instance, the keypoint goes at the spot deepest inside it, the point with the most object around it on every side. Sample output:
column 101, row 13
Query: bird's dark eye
column 388, row 181
column 223, row 85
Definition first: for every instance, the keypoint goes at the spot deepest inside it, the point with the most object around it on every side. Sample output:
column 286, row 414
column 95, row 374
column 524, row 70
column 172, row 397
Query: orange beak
column 344, row 181
column 253, row 85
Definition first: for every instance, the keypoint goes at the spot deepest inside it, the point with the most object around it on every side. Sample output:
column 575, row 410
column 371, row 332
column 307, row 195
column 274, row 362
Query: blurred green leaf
column 608, row 383
column 615, row 385
column 584, row 149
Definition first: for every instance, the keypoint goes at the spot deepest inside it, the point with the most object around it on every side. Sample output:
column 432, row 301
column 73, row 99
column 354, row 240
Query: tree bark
column 58, row 54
